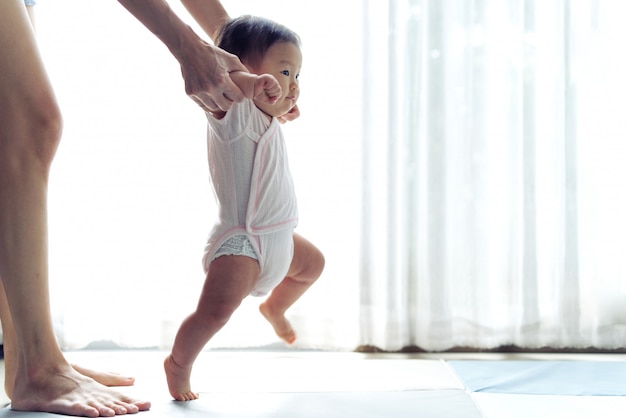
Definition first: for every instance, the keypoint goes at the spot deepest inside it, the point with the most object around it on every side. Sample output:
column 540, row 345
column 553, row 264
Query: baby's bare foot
column 105, row 378
column 178, row 380
column 281, row 326
column 65, row 391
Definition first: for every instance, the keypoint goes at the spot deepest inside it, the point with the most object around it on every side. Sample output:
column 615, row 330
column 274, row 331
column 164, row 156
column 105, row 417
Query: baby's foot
column 281, row 326
column 178, row 380
column 64, row 391
column 105, row 378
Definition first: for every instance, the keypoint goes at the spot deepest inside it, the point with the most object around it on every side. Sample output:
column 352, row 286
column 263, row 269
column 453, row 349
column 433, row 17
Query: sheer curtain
column 493, row 175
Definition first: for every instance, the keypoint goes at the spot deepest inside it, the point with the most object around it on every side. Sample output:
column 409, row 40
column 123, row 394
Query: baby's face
column 282, row 60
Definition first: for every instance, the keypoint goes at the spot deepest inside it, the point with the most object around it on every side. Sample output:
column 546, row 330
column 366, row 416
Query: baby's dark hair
column 249, row 37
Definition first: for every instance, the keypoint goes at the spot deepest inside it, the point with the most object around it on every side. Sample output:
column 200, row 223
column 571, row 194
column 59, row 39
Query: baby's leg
column 229, row 280
column 306, row 266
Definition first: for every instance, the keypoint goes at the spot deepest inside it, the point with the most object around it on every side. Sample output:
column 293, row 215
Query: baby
column 252, row 248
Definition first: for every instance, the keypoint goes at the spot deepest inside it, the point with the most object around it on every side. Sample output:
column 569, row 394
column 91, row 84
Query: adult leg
column 30, row 127
column 31, row 14
column 11, row 356
column 106, row 378
column 229, row 280
column 8, row 344
column 306, row 267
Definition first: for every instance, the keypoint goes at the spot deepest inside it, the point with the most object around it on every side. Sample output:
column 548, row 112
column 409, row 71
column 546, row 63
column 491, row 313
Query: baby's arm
column 263, row 88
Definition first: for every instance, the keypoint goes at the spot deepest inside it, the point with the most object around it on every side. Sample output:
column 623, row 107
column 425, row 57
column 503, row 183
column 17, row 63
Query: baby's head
column 266, row 47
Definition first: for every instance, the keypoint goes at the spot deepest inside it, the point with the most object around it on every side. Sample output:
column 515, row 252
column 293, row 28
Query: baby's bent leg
column 306, row 267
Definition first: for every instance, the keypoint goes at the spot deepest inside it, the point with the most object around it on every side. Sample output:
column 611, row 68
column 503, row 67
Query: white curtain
column 493, row 174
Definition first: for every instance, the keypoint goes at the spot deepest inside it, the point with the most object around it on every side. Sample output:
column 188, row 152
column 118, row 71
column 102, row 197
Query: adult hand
column 206, row 71
column 205, row 67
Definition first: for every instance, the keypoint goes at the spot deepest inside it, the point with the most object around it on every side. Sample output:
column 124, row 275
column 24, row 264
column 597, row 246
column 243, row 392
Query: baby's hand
column 263, row 88
column 293, row 113
column 266, row 89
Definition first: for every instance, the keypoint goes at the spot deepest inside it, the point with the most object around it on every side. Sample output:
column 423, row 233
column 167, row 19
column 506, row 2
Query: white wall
column 130, row 204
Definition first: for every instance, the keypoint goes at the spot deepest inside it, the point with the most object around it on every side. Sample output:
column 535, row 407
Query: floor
column 299, row 384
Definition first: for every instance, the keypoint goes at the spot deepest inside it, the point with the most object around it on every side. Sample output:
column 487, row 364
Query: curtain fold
column 477, row 228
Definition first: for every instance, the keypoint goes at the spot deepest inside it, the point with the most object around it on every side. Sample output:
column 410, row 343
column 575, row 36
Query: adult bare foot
column 63, row 390
column 178, row 380
column 281, row 326
column 105, row 378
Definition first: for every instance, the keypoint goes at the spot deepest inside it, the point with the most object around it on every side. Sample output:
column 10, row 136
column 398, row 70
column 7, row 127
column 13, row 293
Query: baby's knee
column 316, row 264
column 320, row 263
column 216, row 313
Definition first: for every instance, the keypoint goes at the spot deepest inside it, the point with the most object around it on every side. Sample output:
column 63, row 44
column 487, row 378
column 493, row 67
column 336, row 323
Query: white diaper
column 236, row 245
column 274, row 253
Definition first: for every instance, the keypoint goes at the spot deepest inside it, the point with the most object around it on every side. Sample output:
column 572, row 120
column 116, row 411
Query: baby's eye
column 285, row 72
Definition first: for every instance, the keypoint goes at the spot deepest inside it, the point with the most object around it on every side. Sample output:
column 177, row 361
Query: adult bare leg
column 106, row 378
column 10, row 355
column 30, row 128
column 8, row 343
column 306, row 267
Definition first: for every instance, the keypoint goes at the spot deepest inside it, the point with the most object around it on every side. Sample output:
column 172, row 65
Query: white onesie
column 254, row 190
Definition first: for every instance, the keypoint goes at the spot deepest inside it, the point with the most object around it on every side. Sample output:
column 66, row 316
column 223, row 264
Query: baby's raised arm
column 263, row 88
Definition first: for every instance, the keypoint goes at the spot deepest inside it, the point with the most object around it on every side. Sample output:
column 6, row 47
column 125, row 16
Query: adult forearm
column 205, row 68
column 210, row 15
column 159, row 18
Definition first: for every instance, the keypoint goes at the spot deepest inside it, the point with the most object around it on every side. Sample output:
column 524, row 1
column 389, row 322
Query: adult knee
column 30, row 134
column 45, row 128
